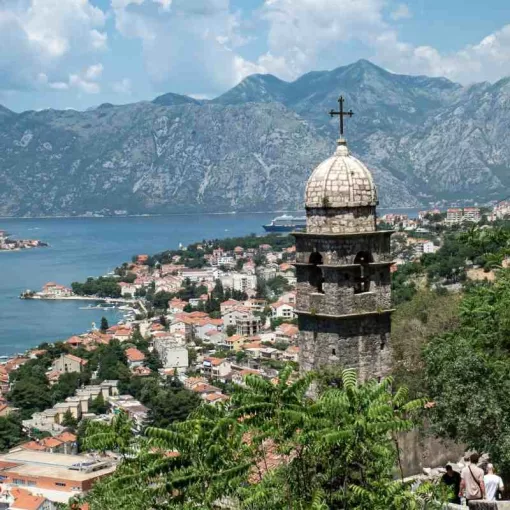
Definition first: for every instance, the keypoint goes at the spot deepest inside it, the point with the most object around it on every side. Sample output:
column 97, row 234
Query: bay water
column 82, row 247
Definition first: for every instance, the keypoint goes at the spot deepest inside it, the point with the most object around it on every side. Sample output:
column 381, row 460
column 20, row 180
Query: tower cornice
column 342, row 235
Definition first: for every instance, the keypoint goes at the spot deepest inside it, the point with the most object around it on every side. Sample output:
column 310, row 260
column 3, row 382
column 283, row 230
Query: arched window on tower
column 363, row 259
column 315, row 277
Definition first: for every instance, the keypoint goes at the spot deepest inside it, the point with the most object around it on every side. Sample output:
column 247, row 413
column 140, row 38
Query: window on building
column 60, row 484
column 315, row 277
column 18, row 481
column 363, row 259
column 333, row 352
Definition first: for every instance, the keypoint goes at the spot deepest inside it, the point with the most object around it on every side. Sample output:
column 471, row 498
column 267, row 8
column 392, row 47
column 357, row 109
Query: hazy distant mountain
column 253, row 147
column 172, row 99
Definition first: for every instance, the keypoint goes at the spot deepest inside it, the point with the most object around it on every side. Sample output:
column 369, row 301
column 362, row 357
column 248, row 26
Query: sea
column 83, row 247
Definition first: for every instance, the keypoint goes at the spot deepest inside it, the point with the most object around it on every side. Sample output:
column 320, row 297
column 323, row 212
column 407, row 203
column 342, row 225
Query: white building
column 281, row 310
column 173, row 354
column 54, row 290
column 215, row 367
column 472, row 214
column 128, row 288
column 239, row 281
column 425, row 246
column 205, row 274
column 454, row 215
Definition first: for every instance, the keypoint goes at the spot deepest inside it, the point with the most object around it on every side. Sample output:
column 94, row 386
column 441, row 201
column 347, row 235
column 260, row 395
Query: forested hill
column 254, row 147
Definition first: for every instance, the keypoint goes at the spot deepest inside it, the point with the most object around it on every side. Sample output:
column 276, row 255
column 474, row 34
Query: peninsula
column 9, row 244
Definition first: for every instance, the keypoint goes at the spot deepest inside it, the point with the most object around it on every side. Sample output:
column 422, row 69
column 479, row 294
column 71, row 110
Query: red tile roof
column 74, row 340
column 72, row 357
column 51, row 442
column 214, row 361
column 134, row 354
column 215, row 397
column 23, row 500
column 66, row 437
column 33, row 445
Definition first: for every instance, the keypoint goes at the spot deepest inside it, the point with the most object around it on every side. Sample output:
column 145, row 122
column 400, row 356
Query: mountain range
column 253, row 148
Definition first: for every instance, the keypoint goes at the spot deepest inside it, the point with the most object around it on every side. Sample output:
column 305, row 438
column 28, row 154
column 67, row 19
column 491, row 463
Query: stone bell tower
column 343, row 269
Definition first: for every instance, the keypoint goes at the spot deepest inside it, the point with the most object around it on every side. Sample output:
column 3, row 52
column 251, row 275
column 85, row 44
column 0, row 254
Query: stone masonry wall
column 320, row 220
column 342, row 249
column 361, row 342
column 339, row 295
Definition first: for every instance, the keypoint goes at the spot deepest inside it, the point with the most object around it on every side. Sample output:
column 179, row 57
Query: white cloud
column 58, row 85
column 309, row 34
column 401, row 12
column 302, row 30
column 486, row 61
column 122, row 87
column 186, row 42
column 46, row 37
column 89, row 87
column 94, row 72
column 60, row 26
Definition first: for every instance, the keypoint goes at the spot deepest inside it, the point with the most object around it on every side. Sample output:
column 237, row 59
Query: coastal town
column 203, row 318
column 7, row 243
column 256, row 255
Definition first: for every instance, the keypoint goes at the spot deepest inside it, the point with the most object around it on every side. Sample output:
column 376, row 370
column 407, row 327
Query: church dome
column 341, row 181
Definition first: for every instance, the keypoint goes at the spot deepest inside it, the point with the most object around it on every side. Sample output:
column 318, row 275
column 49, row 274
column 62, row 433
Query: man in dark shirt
column 452, row 479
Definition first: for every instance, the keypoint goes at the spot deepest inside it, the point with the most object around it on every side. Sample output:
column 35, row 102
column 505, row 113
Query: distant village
column 9, row 244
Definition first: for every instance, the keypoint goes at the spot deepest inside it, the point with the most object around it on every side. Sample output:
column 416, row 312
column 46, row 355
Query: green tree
column 11, row 432
column 261, row 289
column 80, row 433
column 116, row 436
column 414, row 323
column 278, row 285
column 29, row 396
column 192, row 356
column 241, row 356
column 104, row 324
column 230, row 330
column 68, row 420
column 218, row 291
column 337, row 451
column 468, row 373
column 67, row 385
column 112, row 362
column 98, row 405
column 153, row 361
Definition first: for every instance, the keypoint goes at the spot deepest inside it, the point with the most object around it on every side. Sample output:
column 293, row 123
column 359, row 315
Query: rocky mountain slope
column 253, row 147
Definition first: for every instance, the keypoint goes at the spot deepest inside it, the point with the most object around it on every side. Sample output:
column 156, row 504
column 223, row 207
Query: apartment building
column 56, row 476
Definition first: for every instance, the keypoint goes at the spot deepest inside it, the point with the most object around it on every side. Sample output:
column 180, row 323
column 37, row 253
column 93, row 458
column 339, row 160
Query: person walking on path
column 452, row 479
column 493, row 483
column 471, row 482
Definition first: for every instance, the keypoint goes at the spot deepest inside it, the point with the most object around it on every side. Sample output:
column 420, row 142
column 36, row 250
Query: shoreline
column 163, row 215
column 78, row 298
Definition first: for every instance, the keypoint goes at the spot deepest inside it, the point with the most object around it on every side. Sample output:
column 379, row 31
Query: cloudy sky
column 80, row 53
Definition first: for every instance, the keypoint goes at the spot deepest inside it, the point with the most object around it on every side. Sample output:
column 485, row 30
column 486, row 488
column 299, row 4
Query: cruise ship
column 286, row 223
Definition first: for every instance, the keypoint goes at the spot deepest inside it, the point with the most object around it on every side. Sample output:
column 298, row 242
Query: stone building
column 343, row 263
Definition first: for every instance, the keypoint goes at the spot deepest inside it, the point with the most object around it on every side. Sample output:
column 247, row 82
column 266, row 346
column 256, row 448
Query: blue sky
column 81, row 53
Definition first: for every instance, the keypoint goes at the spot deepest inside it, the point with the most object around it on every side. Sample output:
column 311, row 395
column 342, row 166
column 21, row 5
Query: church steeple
column 343, row 269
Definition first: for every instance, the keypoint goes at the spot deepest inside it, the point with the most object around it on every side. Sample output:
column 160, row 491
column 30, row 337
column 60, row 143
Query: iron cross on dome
column 341, row 114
